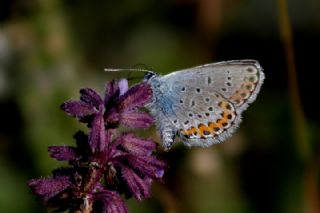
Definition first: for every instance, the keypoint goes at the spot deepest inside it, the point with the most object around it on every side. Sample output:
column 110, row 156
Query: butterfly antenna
column 128, row 69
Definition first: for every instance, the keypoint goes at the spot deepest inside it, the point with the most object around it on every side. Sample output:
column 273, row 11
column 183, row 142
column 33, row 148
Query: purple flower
column 130, row 161
column 65, row 192
column 127, row 159
column 47, row 188
column 118, row 107
column 125, row 163
column 109, row 201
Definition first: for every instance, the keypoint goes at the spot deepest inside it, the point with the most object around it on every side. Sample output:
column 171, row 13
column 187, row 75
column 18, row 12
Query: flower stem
column 300, row 127
column 303, row 146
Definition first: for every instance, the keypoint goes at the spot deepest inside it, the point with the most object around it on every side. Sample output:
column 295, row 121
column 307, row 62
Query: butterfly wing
column 203, row 104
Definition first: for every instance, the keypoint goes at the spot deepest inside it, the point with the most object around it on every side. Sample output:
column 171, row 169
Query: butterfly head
column 149, row 75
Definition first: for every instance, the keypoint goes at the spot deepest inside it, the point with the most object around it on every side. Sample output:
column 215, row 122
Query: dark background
column 50, row 49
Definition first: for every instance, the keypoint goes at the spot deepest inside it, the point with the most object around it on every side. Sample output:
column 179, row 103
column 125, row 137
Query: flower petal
column 136, row 96
column 63, row 153
column 136, row 119
column 101, row 155
column 147, row 165
column 139, row 187
column 97, row 134
column 111, row 202
column 78, row 108
column 90, row 97
column 135, row 145
column 123, row 86
column 47, row 188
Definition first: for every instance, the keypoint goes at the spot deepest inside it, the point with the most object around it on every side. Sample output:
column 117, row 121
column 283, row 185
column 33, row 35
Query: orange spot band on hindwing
column 215, row 127
column 204, row 130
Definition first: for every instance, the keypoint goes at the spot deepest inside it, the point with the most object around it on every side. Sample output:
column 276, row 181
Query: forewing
column 237, row 81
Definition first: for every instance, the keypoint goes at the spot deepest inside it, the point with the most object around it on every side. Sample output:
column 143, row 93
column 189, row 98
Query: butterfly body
column 203, row 105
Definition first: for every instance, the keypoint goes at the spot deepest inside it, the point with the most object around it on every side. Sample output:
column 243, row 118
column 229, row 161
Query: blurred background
column 49, row 49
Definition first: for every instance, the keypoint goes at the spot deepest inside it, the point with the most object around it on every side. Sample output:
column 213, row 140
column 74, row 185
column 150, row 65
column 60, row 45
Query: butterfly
column 203, row 105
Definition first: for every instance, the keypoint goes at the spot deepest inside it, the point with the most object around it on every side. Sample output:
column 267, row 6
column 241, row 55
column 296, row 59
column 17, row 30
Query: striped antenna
column 129, row 69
